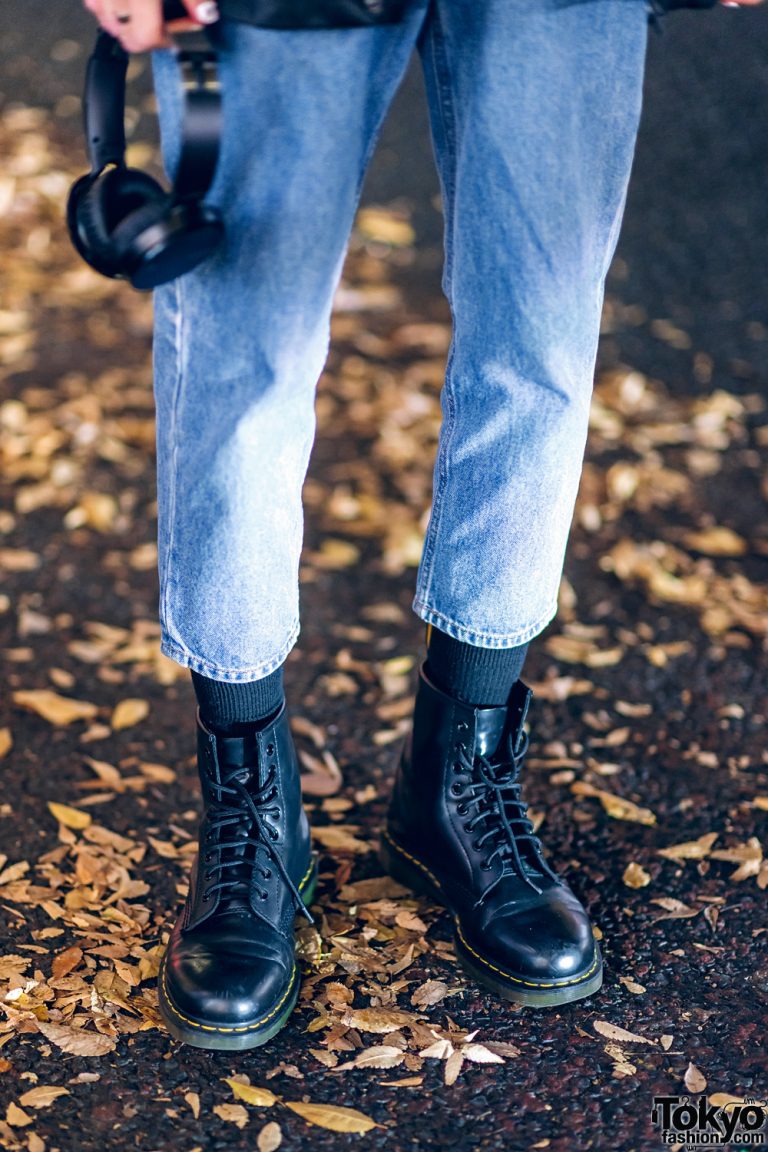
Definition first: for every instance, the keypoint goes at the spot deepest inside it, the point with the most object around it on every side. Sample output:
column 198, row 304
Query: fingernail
column 207, row 12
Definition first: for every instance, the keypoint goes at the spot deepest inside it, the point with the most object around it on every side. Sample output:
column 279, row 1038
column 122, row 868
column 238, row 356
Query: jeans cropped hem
column 482, row 639
column 188, row 659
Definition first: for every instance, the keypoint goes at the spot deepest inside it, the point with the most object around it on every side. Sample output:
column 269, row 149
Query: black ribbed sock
column 482, row 677
column 229, row 707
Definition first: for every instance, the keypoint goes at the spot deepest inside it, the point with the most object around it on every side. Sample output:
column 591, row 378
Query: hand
column 139, row 24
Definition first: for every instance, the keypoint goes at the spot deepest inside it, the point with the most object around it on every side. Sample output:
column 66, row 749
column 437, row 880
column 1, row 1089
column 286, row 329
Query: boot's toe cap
column 549, row 940
column 227, row 990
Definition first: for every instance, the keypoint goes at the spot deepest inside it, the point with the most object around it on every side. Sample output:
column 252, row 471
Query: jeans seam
column 175, row 403
column 475, row 636
column 176, row 650
column 447, row 122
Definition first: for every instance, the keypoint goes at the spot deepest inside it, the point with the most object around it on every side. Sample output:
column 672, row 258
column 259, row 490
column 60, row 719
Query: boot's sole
column 200, row 1034
column 408, row 870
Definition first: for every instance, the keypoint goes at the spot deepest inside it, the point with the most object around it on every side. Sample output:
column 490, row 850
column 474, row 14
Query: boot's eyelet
column 461, row 809
column 206, row 895
column 207, row 858
column 268, row 875
column 270, row 750
column 456, row 766
column 463, row 726
column 485, row 866
column 273, row 834
column 456, row 789
column 263, row 895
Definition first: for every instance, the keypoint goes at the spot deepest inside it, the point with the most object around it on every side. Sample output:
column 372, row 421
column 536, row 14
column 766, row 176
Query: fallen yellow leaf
column 270, row 1138
column 233, row 1113
column 613, row 1032
column 15, row 1116
column 56, row 709
column 70, row 817
column 333, row 1117
column 635, row 876
column 77, row 1040
column 262, row 1097
column 129, row 712
column 615, row 806
column 43, row 1096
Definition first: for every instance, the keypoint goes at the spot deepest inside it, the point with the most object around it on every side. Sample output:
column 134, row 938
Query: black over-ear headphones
column 121, row 221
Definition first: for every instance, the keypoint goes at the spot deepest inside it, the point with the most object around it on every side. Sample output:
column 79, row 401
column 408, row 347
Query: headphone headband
column 104, row 110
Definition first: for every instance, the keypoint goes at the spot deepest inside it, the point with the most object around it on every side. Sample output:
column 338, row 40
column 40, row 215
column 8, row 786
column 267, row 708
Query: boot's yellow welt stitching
column 246, row 1027
column 487, row 963
column 413, row 859
column 528, row 983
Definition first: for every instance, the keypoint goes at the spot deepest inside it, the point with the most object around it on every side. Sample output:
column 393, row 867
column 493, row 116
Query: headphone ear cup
column 130, row 231
column 113, row 200
column 86, row 225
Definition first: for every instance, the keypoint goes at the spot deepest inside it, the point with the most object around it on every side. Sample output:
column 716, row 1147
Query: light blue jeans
column 534, row 108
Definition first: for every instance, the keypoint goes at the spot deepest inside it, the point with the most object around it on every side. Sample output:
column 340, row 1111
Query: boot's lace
column 491, row 798
column 245, row 816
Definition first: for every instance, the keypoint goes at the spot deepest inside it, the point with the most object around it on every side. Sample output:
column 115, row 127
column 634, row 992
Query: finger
column 143, row 30
column 202, row 11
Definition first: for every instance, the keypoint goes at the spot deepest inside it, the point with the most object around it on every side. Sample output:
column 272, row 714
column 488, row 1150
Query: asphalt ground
column 650, row 714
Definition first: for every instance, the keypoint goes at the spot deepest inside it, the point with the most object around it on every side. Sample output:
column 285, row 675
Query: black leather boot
column 457, row 830
column 229, row 977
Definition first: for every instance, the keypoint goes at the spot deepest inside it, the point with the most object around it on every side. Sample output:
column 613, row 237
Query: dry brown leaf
column 479, row 1054
column 69, row 817
column 716, row 542
column 270, row 1138
column 381, row 1056
column 339, row 838
column 333, row 1117
column 380, row 1020
column 232, row 1113
column 429, row 993
column 77, row 1040
column 690, row 849
column 410, row 921
column 613, row 1032
column 674, row 909
column 129, row 712
column 725, row 1100
column 6, row 742
column 193, row 1099
column 695, row 1081
column 261, row 1097
column 635, row 876
column 56, row 709
column 453, row 1067
column 14, row 872
column 748, row 856
column 440, row 1050
column 615, row 806
column 383, row 226
column 16, row 1116
column 66, row 961
column 42, row 1097
column 632, row 985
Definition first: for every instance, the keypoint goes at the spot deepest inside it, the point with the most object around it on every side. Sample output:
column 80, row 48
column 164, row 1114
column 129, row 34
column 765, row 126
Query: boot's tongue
column 489, row 728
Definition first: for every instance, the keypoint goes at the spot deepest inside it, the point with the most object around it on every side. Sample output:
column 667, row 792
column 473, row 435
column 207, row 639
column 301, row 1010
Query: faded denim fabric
column 534, row 108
